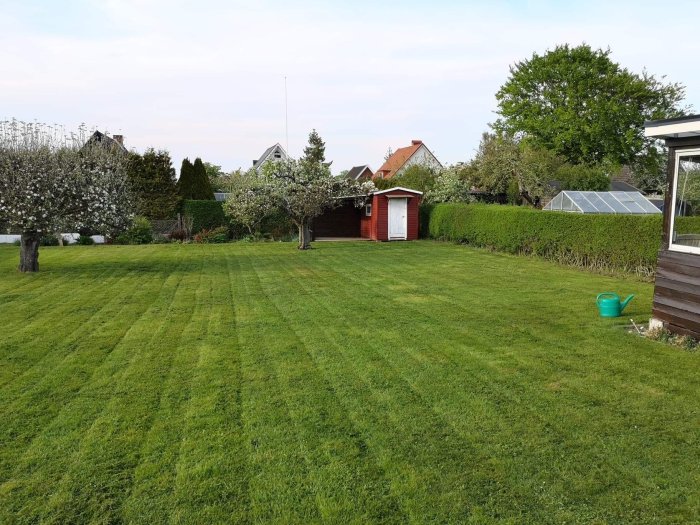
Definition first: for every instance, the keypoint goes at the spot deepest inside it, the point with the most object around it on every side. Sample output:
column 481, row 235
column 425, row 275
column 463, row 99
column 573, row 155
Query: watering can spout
column 626, row 302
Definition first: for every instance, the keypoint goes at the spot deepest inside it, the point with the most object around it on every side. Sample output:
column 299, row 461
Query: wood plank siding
column 677, row 292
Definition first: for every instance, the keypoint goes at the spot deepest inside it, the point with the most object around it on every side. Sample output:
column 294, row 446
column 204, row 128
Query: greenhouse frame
column 609, row 202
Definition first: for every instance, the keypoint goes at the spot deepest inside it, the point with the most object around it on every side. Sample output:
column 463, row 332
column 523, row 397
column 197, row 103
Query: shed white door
column 398, row 218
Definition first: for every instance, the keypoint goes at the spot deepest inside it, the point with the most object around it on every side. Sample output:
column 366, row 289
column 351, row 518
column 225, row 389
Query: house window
column 278, row 156
column 368, row 210
column 685, row 221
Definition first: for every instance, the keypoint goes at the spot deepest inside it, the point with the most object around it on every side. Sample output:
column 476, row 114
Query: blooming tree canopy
column 50, row 182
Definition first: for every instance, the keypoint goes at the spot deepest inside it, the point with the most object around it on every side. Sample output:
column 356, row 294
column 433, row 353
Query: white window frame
column 368, row 209
column 671, row 245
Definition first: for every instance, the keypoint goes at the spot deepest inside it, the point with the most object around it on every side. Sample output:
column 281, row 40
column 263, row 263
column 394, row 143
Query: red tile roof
column 398, row 159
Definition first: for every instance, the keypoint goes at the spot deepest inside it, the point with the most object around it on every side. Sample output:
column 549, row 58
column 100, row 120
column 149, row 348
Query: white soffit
column 670, row 130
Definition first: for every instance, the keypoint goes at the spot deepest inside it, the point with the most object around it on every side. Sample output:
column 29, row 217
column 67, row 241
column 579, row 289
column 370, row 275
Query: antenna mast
column 286, row 115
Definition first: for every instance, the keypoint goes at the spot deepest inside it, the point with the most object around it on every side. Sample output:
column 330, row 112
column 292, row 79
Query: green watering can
column 609, row 304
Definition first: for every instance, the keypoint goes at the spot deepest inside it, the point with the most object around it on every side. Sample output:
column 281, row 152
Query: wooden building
column 677, row 290
column 389, row 215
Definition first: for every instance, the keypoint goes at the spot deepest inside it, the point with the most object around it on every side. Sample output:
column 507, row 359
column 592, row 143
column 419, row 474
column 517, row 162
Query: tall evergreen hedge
column 205, row 214
column 612, row 242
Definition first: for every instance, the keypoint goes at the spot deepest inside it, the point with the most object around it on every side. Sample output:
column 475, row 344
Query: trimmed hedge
column 206, row 215
column 609, row 242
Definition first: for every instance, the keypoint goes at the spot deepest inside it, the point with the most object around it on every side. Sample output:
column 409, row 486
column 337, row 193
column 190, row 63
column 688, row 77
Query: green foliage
column 578, row 103
column 315, row 152
column 140, row 232
column 85, row 240
column 609, row 242
column 452, row 184
column 185, row 184
column 201, row 188
column 152, row 179
column 521, row 170
column 250, row 200
column 583, row 178
column 216, row 235
column 217, row 177
column 49, row 240
column 206, row 214
column 415, row 177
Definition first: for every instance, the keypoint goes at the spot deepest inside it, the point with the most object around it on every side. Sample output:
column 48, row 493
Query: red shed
column 391, row 215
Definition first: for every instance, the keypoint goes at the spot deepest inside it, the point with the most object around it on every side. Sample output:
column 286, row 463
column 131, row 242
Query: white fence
column 68, row 238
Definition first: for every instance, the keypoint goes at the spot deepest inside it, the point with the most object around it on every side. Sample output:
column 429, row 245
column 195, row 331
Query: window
column 368, row 210
column 685, row 219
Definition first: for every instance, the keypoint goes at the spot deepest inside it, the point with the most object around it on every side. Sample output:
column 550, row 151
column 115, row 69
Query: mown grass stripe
column 52, row 452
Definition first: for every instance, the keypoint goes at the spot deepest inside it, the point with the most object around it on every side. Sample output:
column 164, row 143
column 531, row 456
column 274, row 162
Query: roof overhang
column 673, row 128
column 397, row 188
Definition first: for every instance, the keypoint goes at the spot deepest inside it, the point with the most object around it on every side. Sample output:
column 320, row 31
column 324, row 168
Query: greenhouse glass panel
column 627, row 201
column 613, row 203
column 598, row 202
column 585, row 205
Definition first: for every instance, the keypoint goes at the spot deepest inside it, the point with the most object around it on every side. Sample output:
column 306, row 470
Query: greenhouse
column 619, row 202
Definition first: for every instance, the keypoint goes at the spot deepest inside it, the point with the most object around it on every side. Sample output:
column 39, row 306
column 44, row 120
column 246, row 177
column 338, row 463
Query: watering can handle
column 611, row 294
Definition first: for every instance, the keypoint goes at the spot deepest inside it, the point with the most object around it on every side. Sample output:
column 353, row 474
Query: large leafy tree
column 579, row 104
column 152, row 178
column 303, row 190
column 251, row 199
column 51, row 183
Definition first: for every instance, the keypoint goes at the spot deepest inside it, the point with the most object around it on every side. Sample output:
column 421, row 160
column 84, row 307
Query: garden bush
column 49, row 240
column 139, row 233
column 215, row 235
column 85, row 240
column 609, row 242
column 206, row 215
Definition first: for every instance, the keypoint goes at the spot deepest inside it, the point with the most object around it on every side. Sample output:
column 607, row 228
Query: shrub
column 214, row 236
column 49, row 240
column 85, row 240
column 139, row 233
column 206, row 215
column 610, row 242
column 178, row 234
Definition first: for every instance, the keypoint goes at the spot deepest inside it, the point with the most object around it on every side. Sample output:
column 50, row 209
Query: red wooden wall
column 376, row 227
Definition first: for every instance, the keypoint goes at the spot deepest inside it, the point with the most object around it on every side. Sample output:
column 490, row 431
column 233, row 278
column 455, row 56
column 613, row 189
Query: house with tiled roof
column 360, row 173
column 402, row 158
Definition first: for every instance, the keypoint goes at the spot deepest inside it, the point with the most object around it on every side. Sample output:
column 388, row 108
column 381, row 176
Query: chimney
column 415, row 142
column 119, row 139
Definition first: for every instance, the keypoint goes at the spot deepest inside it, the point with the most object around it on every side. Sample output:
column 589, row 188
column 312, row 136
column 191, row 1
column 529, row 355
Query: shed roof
column 612, row 202
column 673, row 128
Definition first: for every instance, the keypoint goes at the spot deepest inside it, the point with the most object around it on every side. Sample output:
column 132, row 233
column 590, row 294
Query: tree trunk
column 304, row 236
column 29, row 252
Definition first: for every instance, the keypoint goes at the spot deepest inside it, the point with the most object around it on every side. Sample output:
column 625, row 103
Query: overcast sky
column 206, row 78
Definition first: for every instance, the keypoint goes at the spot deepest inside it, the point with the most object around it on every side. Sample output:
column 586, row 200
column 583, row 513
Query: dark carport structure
column 677, row 289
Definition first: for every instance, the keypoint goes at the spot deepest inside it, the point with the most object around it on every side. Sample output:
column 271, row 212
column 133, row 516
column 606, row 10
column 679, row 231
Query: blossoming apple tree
column 50, row 182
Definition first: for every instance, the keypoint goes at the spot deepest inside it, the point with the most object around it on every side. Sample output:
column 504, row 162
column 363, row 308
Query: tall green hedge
column 612, row 242
column 206, row 215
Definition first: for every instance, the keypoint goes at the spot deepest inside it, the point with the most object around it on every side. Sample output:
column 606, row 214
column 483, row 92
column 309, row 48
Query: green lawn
column 355, row 383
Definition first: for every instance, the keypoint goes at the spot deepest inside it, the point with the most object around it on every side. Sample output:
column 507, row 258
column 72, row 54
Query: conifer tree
column 152, row 179
column 186, row 180
column 201, row 188
column 315, row 152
